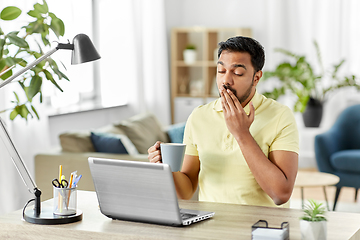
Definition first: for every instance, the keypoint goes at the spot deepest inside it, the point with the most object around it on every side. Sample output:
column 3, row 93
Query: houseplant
column 311, row 89
column 313, row 222
column 17, row 48
column 190, row 54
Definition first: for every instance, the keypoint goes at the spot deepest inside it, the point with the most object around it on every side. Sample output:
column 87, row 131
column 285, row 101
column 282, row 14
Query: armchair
column 337, row 151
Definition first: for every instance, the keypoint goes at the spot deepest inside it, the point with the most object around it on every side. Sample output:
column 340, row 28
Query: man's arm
column 185, row 181
column 276, row 174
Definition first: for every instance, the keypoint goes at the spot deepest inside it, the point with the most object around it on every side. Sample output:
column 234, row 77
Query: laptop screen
column 136, row 191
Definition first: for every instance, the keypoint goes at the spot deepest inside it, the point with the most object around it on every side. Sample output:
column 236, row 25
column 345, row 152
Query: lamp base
column 47, row 217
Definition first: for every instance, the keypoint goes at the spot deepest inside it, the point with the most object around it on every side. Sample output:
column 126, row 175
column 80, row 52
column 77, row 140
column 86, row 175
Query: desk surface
column 230, row 222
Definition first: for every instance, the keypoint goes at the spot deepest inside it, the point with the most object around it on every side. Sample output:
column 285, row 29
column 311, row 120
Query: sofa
column 127, row 140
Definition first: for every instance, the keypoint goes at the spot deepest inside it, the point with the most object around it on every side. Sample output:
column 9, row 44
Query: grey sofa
column 139, row 133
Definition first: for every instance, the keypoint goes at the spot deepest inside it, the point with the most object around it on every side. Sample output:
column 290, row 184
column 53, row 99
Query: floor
column 346, row 201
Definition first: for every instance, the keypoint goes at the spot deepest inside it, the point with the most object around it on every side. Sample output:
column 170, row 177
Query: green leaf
column 2, row 64
column 6, row 75
column 10, row 13
column 62, row 75
column 13, row 114
column 51, row 79
column 34, row 13
column 44, row 35
column 23, row 111
column 2, row 44
column 41, row 8
column 10, row 61
column 35, row 27
column 314, row 211
column 337, row 67
column 57, row 25
column 34, row 110
column 288, row 53
column 48, row 75
column 34, row 87
column 14, row 39
column 17, row 97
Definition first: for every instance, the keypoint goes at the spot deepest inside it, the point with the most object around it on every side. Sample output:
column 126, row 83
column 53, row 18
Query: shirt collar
column 256, row 100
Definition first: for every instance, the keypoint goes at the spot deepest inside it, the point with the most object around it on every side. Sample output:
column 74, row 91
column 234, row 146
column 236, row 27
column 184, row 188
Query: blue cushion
column 347, row 160
column 176, row 132
column 107, row 143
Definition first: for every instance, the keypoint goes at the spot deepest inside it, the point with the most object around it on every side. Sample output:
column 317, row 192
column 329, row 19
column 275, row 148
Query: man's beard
column 245, row 96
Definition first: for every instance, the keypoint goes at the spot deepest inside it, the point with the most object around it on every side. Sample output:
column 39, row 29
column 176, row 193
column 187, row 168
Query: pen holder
column 65, row 201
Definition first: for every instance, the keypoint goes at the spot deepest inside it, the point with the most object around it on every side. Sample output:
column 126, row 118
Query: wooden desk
column 315, row 179
column 230, row 222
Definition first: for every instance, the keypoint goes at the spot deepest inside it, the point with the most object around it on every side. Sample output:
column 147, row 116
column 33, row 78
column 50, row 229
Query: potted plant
column 313, row 222
column 190, row 54
column 310, row 89
column 27, row 44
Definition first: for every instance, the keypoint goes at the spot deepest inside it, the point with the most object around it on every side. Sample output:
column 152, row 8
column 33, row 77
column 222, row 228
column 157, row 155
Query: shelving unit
column 195, row 84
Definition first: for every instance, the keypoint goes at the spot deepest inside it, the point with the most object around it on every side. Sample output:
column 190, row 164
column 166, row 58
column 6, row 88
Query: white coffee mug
column 173, row 155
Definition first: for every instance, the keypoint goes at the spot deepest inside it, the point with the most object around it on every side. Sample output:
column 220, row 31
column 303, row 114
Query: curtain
column 294, row 25
column 134, row 65
column 153, row 83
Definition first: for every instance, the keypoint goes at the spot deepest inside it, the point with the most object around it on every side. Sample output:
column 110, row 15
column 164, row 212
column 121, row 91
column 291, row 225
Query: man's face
column 235, row 71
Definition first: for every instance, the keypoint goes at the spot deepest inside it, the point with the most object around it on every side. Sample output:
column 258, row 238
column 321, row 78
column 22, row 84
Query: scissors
column 63, row 184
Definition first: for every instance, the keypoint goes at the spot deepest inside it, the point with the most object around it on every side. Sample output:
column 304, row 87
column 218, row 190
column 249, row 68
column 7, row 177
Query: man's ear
column 257, row 77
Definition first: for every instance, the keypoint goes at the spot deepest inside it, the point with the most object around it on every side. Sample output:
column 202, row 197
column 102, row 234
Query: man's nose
column 227, row 79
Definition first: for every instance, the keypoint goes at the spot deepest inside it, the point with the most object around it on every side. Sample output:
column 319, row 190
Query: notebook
column 139, row 191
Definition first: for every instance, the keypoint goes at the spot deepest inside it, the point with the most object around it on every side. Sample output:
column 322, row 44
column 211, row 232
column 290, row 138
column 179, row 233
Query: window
column 77, row 17
column 101, row 83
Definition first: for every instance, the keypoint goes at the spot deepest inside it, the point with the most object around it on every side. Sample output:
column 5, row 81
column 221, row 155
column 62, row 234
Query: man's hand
column 154, row 153
column 237, row 121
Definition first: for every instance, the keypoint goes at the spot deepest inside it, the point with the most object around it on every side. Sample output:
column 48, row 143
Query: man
column 241, row 148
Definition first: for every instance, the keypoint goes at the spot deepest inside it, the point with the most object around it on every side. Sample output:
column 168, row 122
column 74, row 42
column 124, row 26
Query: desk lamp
column 82, row 51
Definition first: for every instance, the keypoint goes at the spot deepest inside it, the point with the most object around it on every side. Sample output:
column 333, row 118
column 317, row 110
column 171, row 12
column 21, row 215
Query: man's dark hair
column 245, row 44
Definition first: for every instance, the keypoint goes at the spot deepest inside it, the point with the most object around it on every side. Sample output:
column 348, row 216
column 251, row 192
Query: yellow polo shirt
column 224, row 174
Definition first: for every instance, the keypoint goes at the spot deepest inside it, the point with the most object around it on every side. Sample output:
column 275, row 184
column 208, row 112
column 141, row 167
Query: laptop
column 139, row 191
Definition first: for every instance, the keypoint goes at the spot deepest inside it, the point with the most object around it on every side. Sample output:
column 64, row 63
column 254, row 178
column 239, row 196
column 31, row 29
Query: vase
column 313, row 230
column 313, row 113
column 189, row 56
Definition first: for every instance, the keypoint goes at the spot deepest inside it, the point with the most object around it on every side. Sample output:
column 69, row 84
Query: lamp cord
column 26, row 206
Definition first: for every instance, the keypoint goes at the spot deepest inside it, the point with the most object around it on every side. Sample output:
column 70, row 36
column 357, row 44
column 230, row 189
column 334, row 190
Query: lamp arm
column 34, row 63
column 16, row 158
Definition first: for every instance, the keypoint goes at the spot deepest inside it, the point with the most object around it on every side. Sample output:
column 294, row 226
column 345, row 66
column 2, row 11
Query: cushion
column 143, row 130
column 112, row 143
column 76, row 142
column 347, row 160
column 80, row 141
column 176, row 132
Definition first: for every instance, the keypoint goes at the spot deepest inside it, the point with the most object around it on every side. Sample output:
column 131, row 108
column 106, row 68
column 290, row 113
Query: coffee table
column 315, row 179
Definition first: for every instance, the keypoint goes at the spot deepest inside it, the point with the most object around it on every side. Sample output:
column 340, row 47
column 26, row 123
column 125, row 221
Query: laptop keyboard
column 185, row 216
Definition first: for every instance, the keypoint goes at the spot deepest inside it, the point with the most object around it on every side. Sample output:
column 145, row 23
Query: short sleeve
column 191, row 148
column 287, row 138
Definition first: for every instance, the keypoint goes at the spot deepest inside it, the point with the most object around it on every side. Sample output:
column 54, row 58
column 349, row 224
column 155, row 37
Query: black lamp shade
column 84, row 50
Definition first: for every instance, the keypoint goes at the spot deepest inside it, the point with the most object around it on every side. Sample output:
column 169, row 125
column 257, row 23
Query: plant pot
column 189, row 56
column 313, row 113
column 313, row 230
